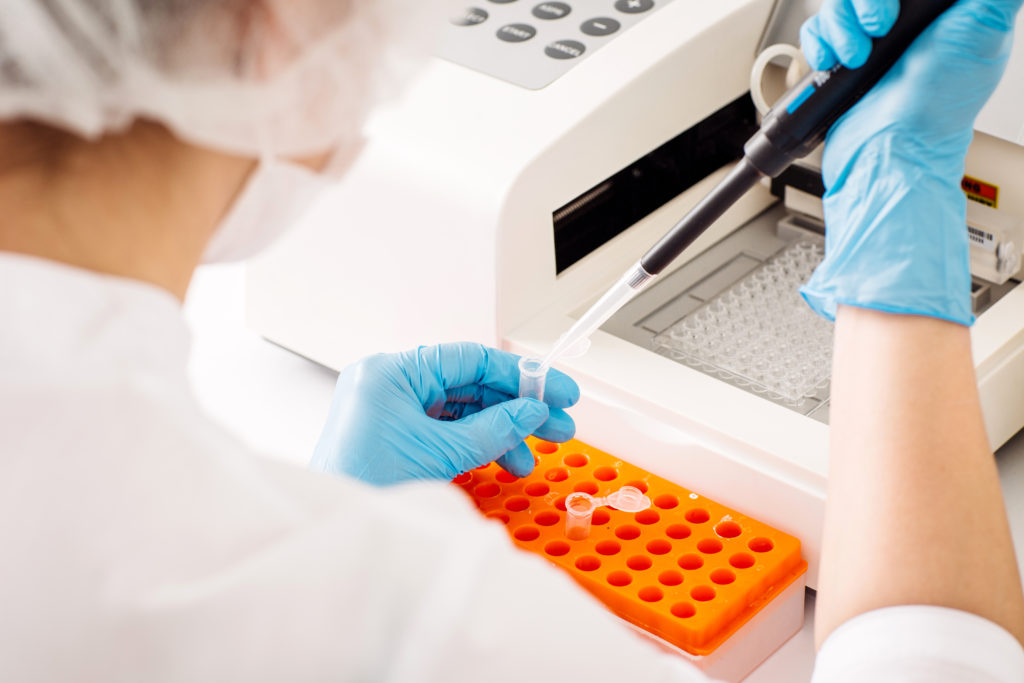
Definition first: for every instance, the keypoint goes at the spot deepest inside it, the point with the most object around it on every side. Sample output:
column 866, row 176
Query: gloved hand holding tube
column 896, row 237
column 436, row 412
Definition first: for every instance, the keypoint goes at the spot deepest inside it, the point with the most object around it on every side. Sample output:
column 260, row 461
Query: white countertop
column 277, row 402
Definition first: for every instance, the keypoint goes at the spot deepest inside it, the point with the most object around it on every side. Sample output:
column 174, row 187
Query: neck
column 139, row 204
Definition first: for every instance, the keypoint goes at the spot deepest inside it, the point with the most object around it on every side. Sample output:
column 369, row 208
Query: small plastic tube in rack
column 532, row 376
column 579, row 509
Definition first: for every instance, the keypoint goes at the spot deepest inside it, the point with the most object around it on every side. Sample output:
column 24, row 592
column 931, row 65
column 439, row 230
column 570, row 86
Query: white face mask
column 276, row 194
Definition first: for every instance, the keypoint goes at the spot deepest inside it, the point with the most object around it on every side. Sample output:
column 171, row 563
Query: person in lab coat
column 143, row 542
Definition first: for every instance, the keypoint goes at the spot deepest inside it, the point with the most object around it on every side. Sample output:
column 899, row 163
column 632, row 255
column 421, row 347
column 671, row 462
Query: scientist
column 143, row 542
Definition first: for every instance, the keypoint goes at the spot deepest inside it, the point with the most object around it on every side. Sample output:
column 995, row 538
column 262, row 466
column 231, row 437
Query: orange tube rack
column 687, row 569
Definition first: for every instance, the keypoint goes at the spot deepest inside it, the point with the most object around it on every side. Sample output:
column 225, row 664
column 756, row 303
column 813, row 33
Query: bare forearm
column 915, row 511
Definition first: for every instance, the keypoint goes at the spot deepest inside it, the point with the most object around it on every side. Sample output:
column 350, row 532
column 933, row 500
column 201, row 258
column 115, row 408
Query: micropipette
column 794, row 127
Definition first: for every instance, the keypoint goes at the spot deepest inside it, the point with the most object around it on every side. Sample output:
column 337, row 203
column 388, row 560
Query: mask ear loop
column 265, row 144
column 343, row 156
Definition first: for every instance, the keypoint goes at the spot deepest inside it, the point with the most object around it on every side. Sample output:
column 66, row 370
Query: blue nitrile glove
column 896, row 236
column 436, row 412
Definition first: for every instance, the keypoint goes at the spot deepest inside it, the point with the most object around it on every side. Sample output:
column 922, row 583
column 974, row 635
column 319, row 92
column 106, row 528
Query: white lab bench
column 277, row 402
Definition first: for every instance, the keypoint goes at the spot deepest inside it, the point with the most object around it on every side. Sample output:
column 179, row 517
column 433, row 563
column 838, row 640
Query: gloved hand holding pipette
column 799, row 121
column 896, row 238
column 436, row 412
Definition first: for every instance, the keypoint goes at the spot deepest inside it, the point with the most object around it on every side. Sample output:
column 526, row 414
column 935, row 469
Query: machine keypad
column 565, row 49
column 516, row 33
column 551, row 10
column 602, row 26
column 537, row 42
column 634, row 6
column 471, row 17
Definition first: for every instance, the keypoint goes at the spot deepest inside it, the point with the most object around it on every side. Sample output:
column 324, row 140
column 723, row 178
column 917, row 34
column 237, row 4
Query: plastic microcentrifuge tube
column 628, row 499
column 579, row 508
column 532, row 375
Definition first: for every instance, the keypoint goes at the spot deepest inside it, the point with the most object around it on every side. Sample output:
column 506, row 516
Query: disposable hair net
column 250, row 77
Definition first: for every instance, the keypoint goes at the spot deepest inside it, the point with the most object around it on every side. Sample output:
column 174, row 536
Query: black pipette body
column 795, row 126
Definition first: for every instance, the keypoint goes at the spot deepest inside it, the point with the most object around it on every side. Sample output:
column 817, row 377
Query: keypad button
column 516, row 33
column 602, row 26
column 565, row 49
column 633, row 6
column 471, row 17
column 551, row 10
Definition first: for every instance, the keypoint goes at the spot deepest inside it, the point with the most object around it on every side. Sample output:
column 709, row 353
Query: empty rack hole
column 620, row 578
column 501, row 517
column 691, row 561
column 517, row 503
column 601, row 516
column 560, row 503
column 703, row 593
column 650, row 594
column 678, row 531
column 670, row 578
column 637, row 484
column 722, row 577
column 547, row 518
column 627, row 532
column 605, row 473
column 588, row 563
column 488, row 490
column 647, row 517
column 608, row 547
column 697, row 516
column 506, row 478
column 557, row 474
column 659, row 546
column 586, row 487
column 527, row 533
column 463, row 478
column 546, row 447
column 683, row 610
column 537, row 488
column 709, row 546
column 639, row 563
column 760, row 544
column 576, row 460
column 666, row 501
column 742, row 561
column 728, row 529
column 556, row 548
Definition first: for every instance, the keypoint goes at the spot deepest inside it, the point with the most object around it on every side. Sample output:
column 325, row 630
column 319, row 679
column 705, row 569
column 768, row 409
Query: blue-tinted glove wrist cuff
column 896, row 240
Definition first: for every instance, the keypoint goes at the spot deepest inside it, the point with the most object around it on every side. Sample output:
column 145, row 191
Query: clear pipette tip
column 628, row 286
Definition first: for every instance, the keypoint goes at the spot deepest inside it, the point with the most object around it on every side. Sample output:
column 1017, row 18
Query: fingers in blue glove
column 876, row 17
column 843, row 29
column 464, row 401
column 561, row 392
column 497, row 430
column 518, row 462
column 467, row 365
column 558, row 428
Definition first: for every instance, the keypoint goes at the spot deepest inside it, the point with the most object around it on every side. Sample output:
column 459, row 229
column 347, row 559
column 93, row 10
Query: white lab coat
column 141, row 542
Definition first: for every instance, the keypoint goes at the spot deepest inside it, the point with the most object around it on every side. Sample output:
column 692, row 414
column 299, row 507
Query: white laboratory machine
column 543, row 150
